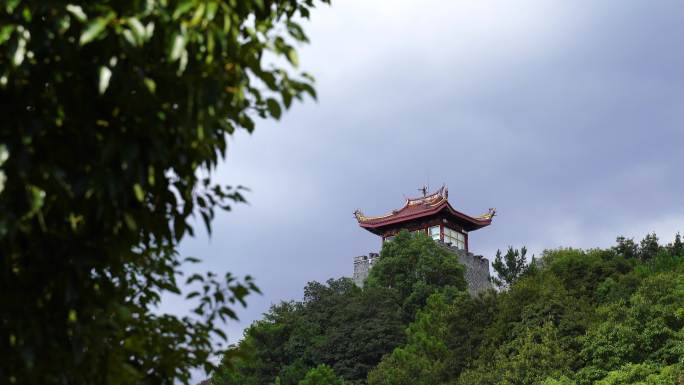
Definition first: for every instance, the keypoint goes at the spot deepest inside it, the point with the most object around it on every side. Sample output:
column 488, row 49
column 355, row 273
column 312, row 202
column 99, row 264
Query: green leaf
column 37, row 198
column 150, row 84
column 104, row 76
column 6, row 32
column 138, row 30
column 19, row 52
column 150, row 174
column 4, row 154
column 26, row 14
column 226, row 23
column 292, row 57
column 95, row 28
column 211, row 10
column 194, row 277
column 149, row 30
column 310, row 90
column 139, row 193
column 246, row 122
column 177, row 47
column 182, row 8
column 130, row 222
column 3, row 179
column 228, row 313
column 72, row 317
column 77, row 11
column 274, row 108
column 183, row 63
column 297, row 32
column 128, row 35
column 10, row 5
column 197, row 16
column 287, row 97
column 179, row 227
column 221, row 334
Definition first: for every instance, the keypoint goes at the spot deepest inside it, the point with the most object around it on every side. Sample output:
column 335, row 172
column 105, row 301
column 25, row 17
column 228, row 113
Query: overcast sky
column 564, row 115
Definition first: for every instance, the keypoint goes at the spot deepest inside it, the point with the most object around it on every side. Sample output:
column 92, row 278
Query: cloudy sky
column 564, row 115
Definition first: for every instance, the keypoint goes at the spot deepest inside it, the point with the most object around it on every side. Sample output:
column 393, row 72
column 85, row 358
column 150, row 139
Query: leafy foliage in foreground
column 575, row 317
column 114, row 113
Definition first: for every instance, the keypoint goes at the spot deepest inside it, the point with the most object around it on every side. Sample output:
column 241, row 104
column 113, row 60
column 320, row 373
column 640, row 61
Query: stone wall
column 476, row 268
column 362, row 265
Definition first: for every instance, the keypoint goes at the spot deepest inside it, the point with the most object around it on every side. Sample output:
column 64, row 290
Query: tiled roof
column 427, row 205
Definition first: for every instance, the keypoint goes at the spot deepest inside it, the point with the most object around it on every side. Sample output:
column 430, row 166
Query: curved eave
column 469, row 222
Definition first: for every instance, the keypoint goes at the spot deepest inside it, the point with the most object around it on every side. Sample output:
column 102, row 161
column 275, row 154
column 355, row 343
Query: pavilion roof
column 425, row 206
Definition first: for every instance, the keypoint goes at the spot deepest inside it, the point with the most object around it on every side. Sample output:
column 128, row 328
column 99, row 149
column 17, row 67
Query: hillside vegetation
column 569, row 317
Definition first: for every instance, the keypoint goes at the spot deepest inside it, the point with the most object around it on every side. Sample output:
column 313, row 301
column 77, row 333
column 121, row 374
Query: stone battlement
column 362, row 265
column 476, row 269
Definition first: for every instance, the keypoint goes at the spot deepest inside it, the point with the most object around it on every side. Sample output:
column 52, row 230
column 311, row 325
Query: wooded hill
column 569, row 317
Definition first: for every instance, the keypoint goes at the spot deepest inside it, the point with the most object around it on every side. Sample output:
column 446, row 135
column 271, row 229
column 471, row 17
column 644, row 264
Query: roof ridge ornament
column 491, row 213
column 424, row 190
column 428, row 199
column 362, row 218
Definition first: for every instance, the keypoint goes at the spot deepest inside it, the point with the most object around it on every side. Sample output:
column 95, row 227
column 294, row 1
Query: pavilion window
column 434, row 233
column 455, row 238
column 389, row 238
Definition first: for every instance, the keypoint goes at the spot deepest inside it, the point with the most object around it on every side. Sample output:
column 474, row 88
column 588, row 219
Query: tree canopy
column 321, row 375
column 510, row 267
column 115, row 112
column 341, row 325
column 576, row 317
column 414, row 266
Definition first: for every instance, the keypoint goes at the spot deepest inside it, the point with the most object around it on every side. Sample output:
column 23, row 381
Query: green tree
column 416, row 267
column 561, row 381
column 646, row 327
column 421, row 361
column 644, row 374
column 114, row 115
column 510, row 267
column 580, row 317
column 677, row 247
column 321, row 375
column 442, row 341
column 581, row 272
column 649, row 247
column 626, row 247
column 337, row 324
column 526, row 360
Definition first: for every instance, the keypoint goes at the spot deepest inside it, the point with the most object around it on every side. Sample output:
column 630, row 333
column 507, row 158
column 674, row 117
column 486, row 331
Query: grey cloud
column 571, row 127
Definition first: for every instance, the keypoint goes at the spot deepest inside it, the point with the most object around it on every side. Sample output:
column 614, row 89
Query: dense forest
column 567, row 317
